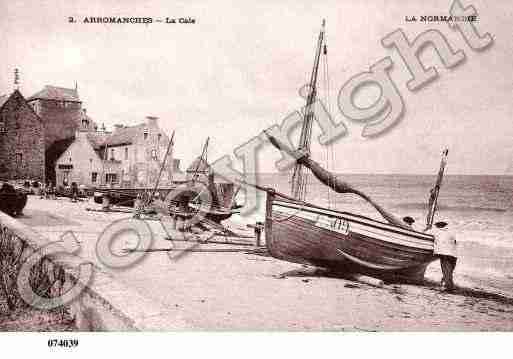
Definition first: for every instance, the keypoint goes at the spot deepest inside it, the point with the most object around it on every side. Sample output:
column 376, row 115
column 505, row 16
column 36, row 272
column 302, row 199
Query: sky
column 238, row 69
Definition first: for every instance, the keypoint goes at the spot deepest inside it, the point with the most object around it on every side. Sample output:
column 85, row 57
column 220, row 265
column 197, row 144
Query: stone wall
column 61, row 121
column 103, row 304
column 22, row 152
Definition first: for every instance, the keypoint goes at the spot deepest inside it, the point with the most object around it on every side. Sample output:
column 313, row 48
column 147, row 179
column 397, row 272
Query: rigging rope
column 299, row 178
column 329, row 147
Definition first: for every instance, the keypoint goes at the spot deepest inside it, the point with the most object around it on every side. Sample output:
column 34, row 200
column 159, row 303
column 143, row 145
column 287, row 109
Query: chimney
column 80, row 134
column 152, row 121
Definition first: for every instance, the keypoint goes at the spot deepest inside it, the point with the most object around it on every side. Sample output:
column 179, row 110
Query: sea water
column 479, row 210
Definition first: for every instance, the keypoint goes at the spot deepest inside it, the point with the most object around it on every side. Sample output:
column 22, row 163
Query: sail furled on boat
column 331, row 180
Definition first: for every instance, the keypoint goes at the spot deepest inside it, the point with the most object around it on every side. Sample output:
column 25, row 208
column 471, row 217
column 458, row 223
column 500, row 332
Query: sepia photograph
column 272, row 166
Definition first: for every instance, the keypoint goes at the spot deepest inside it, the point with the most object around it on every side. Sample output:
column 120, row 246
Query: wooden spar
column 202, row 158
column 365, row 279
column 204, row 250
column 169, row 146
column 208, row 241
column 433, row 199
column 298, row 179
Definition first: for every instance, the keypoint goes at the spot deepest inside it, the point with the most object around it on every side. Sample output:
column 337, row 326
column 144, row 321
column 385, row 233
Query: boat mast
column 298, row 189
column 433, row 199
column 168, row 150
column 201, row 159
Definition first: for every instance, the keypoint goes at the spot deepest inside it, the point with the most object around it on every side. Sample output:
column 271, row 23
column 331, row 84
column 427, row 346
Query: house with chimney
column 22, row 148
column 129, row 157
column 63, row 116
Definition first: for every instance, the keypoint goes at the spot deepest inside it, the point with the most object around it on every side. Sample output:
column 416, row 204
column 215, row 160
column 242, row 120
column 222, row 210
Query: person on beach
column 42, row 190
column 409, row 221
column 445, row 248
column 74, row 192
column 258, row 227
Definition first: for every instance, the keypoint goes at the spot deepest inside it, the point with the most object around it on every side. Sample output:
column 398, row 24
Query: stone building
column 129, row 157
column 22, row 148
column 62, row 114
column 81, row 162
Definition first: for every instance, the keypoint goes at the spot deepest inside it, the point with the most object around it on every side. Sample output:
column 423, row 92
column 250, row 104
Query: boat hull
column 12, row 200
column 345, row 242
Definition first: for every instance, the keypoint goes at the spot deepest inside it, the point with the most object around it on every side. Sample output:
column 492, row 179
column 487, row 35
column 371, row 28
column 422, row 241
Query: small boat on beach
column 342, row 241
column 205, row 192
column 12, row 199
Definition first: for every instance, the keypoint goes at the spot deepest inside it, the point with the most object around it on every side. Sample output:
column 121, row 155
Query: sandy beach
column 241, row 291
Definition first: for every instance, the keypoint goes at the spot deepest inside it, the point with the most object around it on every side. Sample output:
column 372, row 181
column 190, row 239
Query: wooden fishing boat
column 127, row 196
column 219, row 203
column 189, row 202
column 342, row 241
column 303, row 232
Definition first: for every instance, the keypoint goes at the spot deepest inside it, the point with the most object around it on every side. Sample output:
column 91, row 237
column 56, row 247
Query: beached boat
column 12, row 200
column 342, row 241
column 303, row 232
column 219, row 203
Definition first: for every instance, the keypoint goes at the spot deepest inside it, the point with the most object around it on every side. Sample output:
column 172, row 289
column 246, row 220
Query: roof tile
column 123, row 135
column 56, row 93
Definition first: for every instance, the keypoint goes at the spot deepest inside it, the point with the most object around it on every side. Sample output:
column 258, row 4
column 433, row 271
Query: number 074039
column 62, row 343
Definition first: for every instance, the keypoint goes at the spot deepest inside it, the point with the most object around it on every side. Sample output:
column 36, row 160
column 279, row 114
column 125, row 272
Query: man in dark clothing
column 74, row 191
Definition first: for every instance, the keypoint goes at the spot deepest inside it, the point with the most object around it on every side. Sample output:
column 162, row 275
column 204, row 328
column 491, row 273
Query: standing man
column 258, row 227
column 446, row 249
column 74, row 191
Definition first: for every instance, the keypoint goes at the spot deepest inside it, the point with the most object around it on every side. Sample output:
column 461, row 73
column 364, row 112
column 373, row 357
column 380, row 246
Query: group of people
column 445, row 248
column 49, row 191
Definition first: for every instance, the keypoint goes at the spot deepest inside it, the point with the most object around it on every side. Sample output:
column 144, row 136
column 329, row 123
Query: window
column 3, row 129
column 159, row 137
column 126, row 153
column 145, row 134
column 111, row 178
column 19, row 159
column 85, row 123
column 153, row 154
column 112, row 154
column 94, row 177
